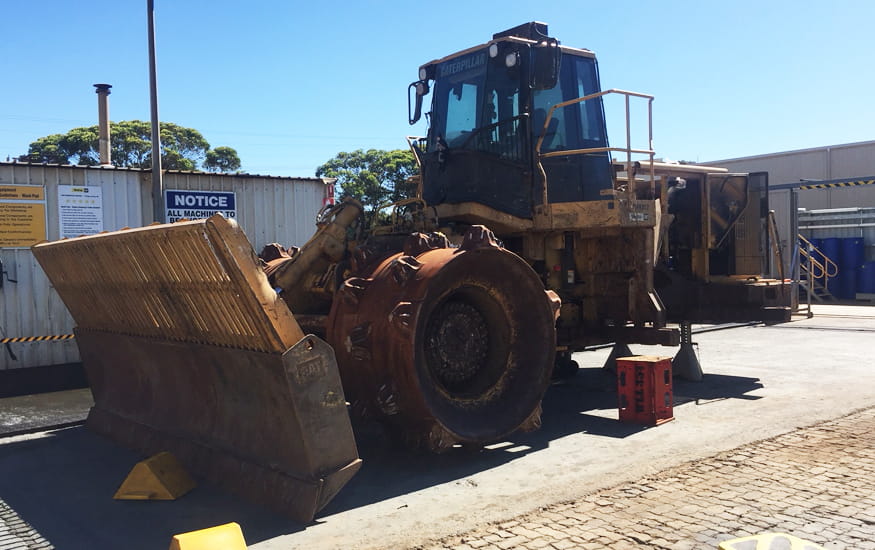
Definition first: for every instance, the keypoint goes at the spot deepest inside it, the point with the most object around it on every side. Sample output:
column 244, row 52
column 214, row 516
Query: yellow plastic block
column 769, row 541
column 159, row 477
column 221, row 537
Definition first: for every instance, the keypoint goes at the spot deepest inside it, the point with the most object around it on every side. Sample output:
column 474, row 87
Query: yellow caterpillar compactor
column 525, row 243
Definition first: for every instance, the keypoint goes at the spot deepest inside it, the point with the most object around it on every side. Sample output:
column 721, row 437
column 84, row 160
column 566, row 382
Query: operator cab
column 489, row 107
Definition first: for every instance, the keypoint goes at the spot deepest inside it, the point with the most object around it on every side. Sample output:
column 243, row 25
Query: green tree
column 222, row 159
column 130, row 146
column 374, row 177
column 48, row 149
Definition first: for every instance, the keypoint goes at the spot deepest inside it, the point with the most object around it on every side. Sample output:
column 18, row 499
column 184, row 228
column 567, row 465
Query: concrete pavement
column 760, row 382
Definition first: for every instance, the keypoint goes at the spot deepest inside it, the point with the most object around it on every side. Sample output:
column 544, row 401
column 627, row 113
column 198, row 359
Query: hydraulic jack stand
column 685, row 364
column 620, row 349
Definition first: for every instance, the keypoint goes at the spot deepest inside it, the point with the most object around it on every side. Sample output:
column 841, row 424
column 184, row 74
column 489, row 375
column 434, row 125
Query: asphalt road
column 760, row 382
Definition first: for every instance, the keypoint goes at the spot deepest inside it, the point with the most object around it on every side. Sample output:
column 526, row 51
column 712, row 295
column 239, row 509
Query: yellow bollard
column 221, row 537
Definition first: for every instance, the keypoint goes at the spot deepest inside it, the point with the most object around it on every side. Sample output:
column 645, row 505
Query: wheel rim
column 457, row 343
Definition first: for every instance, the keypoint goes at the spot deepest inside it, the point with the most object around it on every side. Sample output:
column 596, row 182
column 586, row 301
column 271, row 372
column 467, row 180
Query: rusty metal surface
column 450, row 345
column 195, row 282
column 271, row 428
column 307, row 277
column 188, row 349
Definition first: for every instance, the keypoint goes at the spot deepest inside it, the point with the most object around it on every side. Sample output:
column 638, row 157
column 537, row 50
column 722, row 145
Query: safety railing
column 629, row 150
column 774, row 239
column 417, row 145
column 816, row 267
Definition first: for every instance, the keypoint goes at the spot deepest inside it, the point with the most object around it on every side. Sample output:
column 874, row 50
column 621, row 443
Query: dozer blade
column 189, row 350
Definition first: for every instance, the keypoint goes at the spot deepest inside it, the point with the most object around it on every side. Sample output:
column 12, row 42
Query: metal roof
column 194, row 172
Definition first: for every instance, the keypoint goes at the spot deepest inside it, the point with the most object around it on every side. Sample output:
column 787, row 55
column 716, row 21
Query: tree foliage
column 374, row 177
column 131, row 147
column 222, row 159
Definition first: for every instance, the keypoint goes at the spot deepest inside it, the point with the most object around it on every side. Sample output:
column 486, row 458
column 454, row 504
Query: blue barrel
column 853, row 254
column 832, row 249
column 866, row 278
column 846, row 284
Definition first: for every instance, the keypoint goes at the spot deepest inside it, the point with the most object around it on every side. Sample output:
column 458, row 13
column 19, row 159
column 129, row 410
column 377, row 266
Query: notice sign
column 22, row 215
column 80, row 210
column 196, row 205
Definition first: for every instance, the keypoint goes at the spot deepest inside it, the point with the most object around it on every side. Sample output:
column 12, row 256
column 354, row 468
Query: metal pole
column 630, row 175
column 103, row 123
column 157, row 182
column 650, row 146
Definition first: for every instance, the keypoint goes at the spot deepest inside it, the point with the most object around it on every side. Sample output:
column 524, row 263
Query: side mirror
column 414, row 111
column 546, row 59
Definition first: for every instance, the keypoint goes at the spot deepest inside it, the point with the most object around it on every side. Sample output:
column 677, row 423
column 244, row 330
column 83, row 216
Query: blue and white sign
column 195, row 205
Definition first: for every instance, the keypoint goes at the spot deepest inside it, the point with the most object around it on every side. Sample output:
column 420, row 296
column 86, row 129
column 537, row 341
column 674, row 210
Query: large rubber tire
column 450, row 346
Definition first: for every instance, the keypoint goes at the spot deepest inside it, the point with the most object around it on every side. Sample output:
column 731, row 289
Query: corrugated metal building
column 822, row 178
column 851, row 161
column 269, row 209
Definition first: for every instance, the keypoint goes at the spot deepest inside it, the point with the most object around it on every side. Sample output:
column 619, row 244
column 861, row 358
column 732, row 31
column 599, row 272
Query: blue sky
column 289, row 84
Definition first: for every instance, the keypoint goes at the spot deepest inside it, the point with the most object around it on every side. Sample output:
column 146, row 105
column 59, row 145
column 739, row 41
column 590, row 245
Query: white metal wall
column 269, row 209
column 29, row 306
column 852, row 160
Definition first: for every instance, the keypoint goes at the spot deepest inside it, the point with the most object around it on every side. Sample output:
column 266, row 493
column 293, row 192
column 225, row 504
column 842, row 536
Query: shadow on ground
column 715, row 387
column 63, row 484
column 569, row 408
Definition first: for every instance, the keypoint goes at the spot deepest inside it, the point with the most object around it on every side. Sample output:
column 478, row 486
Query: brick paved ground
column 816, row 483
column 15, row 534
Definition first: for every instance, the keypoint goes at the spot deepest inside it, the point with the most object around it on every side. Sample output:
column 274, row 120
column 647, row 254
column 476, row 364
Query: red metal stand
column 644, row 389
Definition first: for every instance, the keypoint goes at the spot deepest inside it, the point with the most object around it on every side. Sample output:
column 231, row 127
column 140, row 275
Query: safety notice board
column 22, row 215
